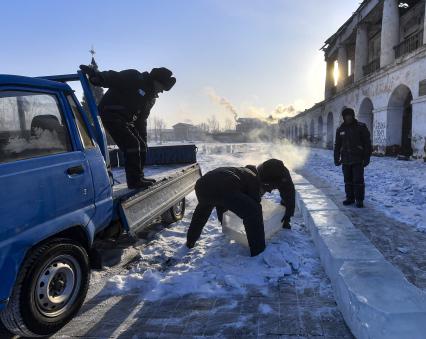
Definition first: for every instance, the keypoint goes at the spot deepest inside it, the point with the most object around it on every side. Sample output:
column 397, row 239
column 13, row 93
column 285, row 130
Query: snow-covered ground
column 217, row 265
column 215, row 289
column 397, row 188
column 220, row 266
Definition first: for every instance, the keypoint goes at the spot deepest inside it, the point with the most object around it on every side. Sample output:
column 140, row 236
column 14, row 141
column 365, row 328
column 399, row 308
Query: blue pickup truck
column 58, row 195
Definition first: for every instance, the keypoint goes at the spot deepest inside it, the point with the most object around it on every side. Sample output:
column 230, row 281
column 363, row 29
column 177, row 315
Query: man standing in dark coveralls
column 352, row 149
column 239, row 190
column 124, row 110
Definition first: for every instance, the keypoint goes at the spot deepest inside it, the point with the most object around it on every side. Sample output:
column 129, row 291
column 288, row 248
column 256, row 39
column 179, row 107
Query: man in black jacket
column 352, row 149
column 124, row 110
column 239, row 189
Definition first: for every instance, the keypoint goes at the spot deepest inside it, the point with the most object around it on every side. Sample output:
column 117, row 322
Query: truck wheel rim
column 57, row 287
column 178, row 208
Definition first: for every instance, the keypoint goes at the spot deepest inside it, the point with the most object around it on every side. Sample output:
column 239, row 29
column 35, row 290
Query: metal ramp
column 141, row 209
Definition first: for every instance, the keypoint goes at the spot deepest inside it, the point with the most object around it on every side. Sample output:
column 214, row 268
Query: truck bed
column 157, row 172
column 138, row 208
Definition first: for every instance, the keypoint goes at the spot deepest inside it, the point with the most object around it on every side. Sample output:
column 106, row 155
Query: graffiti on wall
column 379, row 134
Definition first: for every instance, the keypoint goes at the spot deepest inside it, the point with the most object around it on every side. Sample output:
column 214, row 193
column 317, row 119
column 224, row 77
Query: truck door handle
column 76, row 170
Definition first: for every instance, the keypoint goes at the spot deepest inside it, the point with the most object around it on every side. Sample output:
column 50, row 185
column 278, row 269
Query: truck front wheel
column 49, row 290
column 175, row 213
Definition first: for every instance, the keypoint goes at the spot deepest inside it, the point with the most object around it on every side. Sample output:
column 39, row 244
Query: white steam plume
column 222, row 101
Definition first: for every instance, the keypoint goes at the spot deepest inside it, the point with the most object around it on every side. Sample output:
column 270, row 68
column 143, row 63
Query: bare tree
column 149, row 128
column 159, row 126
column 213, row 124
column 204, row 127
column 228, row 124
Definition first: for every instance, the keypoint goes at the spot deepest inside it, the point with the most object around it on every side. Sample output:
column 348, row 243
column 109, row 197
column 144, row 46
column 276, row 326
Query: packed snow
column 218, row 265
column 397, row 188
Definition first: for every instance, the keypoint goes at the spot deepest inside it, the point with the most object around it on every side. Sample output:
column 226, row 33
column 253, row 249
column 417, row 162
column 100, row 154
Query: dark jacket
column 352, row 144
column 225, row 180
column 130, row 95
column 288, row 193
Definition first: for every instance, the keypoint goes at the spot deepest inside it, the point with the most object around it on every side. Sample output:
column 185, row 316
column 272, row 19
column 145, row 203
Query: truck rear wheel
column 49, row 290
column 175, row 213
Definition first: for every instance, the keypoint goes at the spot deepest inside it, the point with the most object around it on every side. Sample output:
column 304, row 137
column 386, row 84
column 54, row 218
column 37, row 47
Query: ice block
column 233, row 226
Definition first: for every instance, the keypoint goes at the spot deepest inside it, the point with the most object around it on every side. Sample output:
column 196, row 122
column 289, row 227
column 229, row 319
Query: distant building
column 256, row 130
column 168, row 135
column 228, row 136
column 187, row 132
column 248, row 125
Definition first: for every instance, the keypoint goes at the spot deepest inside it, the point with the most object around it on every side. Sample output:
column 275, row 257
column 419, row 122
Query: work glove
column 286, row 222
column 366, row 162
column 337, row 162
column 94, row 76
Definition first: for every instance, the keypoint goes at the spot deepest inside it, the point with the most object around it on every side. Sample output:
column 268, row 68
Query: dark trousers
column 133, row 144
column 354, row 181
column 240, row 204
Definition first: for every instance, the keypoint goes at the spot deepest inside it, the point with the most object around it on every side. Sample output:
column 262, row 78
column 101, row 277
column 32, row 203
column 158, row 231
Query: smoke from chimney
column 280, row 111
column 223, row 102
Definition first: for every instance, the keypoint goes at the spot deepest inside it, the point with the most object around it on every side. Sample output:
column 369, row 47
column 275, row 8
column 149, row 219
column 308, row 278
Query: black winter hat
column 348, row 111
column 163, row 76
column 271, row 170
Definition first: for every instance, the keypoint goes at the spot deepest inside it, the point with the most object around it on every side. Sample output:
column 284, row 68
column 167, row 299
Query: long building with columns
column 379, row 55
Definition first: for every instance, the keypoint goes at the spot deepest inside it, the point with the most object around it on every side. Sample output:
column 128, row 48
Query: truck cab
column 58, row 194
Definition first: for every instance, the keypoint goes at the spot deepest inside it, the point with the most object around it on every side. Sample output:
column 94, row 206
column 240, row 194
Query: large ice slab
column 339, row 242
column 233, row 226
column 374, row 297
column 313, row 193
column 378, row 302
column 298, row 179
column 315, row 204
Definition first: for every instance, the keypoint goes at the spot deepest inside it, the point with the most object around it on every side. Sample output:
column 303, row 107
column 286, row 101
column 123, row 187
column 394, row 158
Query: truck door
column 45, row 178
column 101, row 179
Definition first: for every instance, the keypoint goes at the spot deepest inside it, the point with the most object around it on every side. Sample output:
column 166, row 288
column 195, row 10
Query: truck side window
column 81, row 125
column 31, row 125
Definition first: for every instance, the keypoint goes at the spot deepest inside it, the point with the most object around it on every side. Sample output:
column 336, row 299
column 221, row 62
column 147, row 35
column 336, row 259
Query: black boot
column 359, row 204
column 348, row 202
column 190, row 244
column 139, row 184
column 151, row 180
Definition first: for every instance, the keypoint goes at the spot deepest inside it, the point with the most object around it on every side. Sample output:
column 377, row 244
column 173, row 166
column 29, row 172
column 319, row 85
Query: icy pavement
column 396, row 188
column 398, row 241
column 216, row 289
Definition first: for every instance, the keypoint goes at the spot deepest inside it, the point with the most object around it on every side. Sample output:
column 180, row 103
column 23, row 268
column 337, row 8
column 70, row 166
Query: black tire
column 65, row 265
column 175, row 213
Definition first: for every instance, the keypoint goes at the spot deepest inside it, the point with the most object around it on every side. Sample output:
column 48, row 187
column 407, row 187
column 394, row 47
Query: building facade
column 187, row 132
column 379, row 55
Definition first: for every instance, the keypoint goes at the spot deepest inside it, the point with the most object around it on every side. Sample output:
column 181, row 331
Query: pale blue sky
column 256, row 53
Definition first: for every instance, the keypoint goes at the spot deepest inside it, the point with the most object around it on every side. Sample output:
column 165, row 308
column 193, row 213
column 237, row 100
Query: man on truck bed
column 239, row 189
column 124, row 111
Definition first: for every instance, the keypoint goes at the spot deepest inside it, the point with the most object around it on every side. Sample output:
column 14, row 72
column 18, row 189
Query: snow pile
column 397, row 188
column 217, row 265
